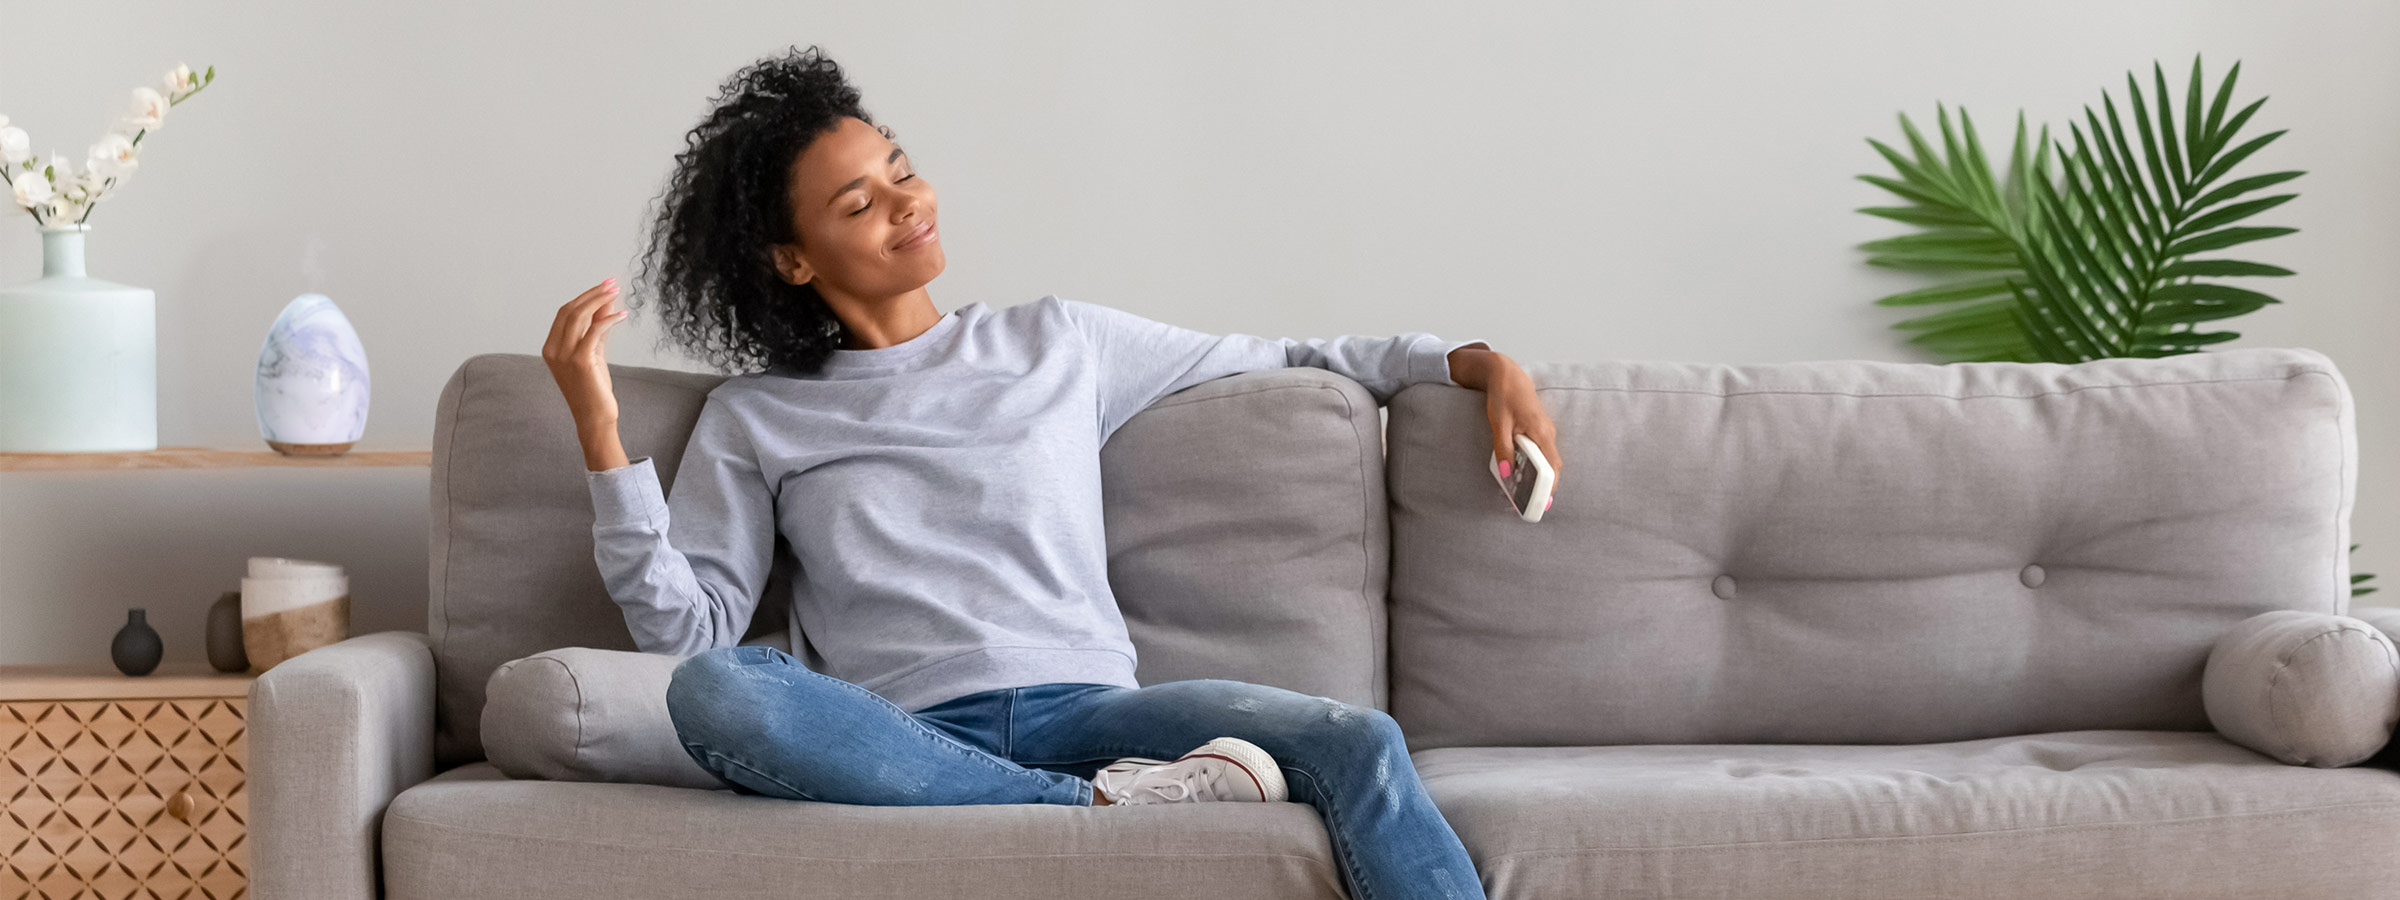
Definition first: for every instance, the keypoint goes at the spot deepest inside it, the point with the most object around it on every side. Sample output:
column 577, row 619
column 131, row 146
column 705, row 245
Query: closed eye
column 871, row 205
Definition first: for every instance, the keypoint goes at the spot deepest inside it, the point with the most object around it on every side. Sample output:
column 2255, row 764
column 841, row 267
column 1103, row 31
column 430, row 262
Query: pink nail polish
column 1504, row 468
column 1546, row 501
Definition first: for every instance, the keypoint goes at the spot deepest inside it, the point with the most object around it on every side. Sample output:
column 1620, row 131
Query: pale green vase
column 78, row 358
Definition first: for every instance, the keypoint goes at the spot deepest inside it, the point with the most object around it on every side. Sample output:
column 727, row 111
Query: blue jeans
column 765, row 724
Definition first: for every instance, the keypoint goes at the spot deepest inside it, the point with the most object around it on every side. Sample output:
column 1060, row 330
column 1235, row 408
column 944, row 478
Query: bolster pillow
column 2310, row 689
column 587, row 714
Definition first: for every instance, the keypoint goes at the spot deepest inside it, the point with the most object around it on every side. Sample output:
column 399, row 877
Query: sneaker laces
column 1188, row 783
column 1166, row 784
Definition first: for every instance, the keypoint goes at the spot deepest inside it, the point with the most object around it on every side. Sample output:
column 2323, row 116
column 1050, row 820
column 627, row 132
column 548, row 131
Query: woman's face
column 855, row 198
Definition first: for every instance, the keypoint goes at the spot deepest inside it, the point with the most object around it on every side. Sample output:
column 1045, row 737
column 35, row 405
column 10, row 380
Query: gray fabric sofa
column 1836, row 629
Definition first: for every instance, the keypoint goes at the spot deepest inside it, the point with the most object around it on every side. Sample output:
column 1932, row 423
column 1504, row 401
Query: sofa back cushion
column 1245, row 527
column 1861, row 552
column 1247, row 533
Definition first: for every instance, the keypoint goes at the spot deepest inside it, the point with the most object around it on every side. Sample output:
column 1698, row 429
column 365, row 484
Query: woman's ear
column 795, row 268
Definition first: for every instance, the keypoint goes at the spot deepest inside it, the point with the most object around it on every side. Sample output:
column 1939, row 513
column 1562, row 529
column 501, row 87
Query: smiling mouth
column 932, row 230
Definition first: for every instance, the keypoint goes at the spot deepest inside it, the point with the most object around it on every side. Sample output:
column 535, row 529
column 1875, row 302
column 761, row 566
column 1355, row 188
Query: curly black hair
column 710, row 260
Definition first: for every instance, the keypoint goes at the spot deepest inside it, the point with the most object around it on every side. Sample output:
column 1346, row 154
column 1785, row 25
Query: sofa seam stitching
column 2391, row 665
column 2076, row 389
column 466, row 372
column 577, row 683
column 429, row 823
column 1365, row 556
column 1954, row 837
column 2348, row 471
column 2274, row 713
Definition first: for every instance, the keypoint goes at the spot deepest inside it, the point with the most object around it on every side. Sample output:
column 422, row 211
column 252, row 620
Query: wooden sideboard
column 122, row 786
column 116, row 786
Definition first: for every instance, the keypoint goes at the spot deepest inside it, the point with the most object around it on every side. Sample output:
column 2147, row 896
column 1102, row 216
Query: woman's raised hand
column 577, row 353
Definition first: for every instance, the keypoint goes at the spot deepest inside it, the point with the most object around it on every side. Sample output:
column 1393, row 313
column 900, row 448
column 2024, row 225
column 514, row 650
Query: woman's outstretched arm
column 1142, row 360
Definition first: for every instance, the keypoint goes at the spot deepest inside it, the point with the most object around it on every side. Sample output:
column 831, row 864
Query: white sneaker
column 1227, row 768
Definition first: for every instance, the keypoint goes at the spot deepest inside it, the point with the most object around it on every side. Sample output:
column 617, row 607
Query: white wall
column 1569, row 180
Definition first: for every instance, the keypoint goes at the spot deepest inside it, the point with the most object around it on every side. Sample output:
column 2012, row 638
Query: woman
column 938, row 478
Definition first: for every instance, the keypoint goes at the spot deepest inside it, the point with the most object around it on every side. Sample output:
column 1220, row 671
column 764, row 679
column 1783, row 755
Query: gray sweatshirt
column 942, row 495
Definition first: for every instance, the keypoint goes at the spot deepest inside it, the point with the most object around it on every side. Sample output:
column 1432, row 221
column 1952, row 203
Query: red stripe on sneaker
column 1262, row 789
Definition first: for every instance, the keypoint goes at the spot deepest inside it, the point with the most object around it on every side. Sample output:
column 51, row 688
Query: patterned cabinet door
column 123, row 798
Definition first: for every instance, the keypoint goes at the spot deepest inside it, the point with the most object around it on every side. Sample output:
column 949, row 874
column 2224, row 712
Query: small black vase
column 225, row 651
column 137, row 647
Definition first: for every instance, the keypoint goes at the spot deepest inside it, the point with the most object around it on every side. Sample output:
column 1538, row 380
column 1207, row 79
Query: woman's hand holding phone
column 1529, row 481
column 1524, row 444
column 577, row 354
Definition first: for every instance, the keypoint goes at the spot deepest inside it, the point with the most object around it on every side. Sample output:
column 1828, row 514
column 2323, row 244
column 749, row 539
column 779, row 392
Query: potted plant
column 78, row 356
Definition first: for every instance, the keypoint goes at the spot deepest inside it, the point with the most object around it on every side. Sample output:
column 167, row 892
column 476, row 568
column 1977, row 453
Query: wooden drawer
column 124, row 797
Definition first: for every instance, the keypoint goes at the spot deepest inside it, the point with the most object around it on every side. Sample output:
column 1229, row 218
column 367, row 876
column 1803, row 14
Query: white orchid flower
column 115, row 148
column 149, row 109
column 179, row 80
column 30, row 189
column 15, row 147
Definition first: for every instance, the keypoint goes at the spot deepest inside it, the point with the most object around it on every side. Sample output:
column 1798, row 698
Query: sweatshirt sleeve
column 1142, row 360
column 697, row 591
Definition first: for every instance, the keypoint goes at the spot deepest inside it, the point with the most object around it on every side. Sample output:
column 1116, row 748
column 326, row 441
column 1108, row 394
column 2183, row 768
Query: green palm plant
column 2095, row 260
column 2091, row 262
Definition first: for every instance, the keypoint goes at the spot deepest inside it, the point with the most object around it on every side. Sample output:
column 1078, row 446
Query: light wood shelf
column 203, row 458
column 102, row 681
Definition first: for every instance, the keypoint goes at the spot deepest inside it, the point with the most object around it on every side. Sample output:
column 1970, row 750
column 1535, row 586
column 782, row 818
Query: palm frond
column 1970, row 224
column 2093, row 260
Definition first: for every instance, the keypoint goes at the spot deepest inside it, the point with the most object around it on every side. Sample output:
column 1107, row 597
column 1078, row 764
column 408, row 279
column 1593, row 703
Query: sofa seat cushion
column 2060, row 815
column 472, row 831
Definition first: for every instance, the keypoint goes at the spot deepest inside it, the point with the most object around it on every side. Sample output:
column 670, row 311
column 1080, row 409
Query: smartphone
column 1527, row 484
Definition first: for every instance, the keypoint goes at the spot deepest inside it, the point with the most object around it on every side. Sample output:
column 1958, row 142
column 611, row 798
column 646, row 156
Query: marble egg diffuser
column 311, row 389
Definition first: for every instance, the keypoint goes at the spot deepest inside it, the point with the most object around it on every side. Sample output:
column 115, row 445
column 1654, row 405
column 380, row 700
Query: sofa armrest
column 2307, row 688
column 335, row 733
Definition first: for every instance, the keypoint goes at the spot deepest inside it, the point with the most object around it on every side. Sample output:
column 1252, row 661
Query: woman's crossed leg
column 759, row 720
column 763, row 723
